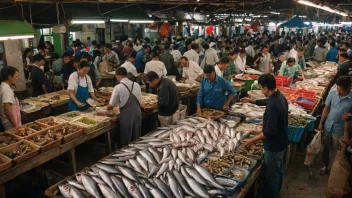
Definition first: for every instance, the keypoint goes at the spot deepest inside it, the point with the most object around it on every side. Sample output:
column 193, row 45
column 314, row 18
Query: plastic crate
column 311, row 124
column 305, row 105
column 284, row 79
column 295, row 133
column 306, row 93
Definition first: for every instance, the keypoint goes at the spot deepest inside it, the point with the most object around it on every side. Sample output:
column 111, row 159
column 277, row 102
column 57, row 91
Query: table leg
column 108, row 142
column 2, row 191
column 288, row 152
column 72, row 154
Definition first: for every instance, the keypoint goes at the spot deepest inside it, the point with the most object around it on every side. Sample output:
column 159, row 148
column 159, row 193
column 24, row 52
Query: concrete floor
column 303, row 182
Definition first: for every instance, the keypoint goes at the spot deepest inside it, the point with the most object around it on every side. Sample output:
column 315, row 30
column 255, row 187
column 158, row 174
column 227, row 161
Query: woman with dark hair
column 128, row 49
column 80, row 88
column 97, row 57
column 321, row 51
column 10, row 112
column 289, row 68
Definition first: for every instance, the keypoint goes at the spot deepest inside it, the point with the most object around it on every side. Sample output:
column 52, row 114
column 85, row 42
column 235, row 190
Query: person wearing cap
column 110, row 55
column 191, row 70
column 193, row 54
column 128, row 65
column 222, row 66
column 241, row 60
column 38, row 76
column 213, row 90
column 210, row 55
column 127, row 95
column 80, row 88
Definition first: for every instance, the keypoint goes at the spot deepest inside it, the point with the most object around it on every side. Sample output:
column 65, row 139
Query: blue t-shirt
column 213, row 95
column 332, row 55
column 139, row 59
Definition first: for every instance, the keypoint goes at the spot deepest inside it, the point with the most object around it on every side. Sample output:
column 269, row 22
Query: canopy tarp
column 15, row 28
column 294, row 22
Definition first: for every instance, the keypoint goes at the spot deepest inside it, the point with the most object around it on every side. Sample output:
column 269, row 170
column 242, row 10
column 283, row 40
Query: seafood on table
column 249, row 128
column 6, row 139
column 36, row 127
column 256, row 150
column 236, row 159
column 237, row 174
column 72, row 115
column 24, row 131
column 87, row 121
column 250, row 111
column 43, row 139
column 211, row 113
column 50, row 121
column 23, row 149
column 297, row 120
column 149, row 101
column 216, row 166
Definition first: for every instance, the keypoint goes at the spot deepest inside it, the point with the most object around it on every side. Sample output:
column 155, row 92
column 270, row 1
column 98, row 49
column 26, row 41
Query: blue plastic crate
column 295, row 133
column 311, row 123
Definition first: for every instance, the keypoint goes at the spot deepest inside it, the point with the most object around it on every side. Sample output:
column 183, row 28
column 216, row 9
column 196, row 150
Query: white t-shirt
column 130, row 68
column 177, row 55
column 156, row 66
column 192, row 55
column 293, row 54
column 73, row 82
column 7, row 95
column 218, row 71
column 192, row 71
column 241, row 64
column 120, row 94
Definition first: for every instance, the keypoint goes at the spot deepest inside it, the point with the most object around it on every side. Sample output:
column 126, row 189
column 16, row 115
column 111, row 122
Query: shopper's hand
column 79, row 104
column 247, row 100
column 248, row 142
column 225, row 107
column 345, row 116
column 199, row 111
column 320, row 127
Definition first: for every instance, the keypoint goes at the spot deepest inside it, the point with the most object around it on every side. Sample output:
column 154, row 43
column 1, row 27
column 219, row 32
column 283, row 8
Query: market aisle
column 300, row 184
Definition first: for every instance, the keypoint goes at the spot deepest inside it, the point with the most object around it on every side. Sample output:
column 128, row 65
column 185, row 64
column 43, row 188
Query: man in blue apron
column 127, row 95
column 80, row 88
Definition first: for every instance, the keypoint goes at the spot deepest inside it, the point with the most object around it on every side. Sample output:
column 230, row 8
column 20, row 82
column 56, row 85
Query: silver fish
column 166, row 152
column 157, row 133
column 205, row 132
column 153, row 169
column 182, row 181
column 159, row 144
column 144, row 191
column 177, row 138
column 106, row 178
column 227, row 131
column 189, row 136
column 174, row 186
column 120, row 186
column 155, row 153
column 136, row 166
column 115, row 163
column 183, row 157
column 233, row 133
column 209, row 147
column 222, row 128
column 156, row 192
column 107, row 192
column 75, row 193
column 75, row 184
column 210, row 127
column 123, row 154
column 215, row 124
column 108, row 168
column 226, row 182
column 179, row 163
column 207, row 176
column 238, row 136
column 131, row 187
column 163, row 187
column 214, row 192
column 171, row 138
column 98, row 180
column 196, row 176
column 143, row 162
column 171, row 164
column 65, row 190
column 201, row 119
column 201, row 125
column 148, row 156
column 90, row 186
column 78, row 177
column 174, row 153
column 197, row 188
column 201, row 157
column 166, row 160
column 195, row 121
column 129, row 173
column 162, row 169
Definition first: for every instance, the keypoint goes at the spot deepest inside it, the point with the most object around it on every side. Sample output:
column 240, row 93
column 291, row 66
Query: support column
column 13, row 53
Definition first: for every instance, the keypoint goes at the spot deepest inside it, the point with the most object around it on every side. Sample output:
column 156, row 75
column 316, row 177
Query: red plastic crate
column 285, row 80
column 306, row 93
column 305, row 105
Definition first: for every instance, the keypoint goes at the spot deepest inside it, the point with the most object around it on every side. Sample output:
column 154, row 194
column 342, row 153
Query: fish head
column 78, row 177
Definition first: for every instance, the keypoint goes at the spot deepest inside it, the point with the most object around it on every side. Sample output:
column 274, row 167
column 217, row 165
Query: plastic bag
column 313, row 149
column 339, row 184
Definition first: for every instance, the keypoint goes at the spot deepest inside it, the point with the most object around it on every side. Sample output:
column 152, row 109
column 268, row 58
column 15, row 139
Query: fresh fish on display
column 123, row 154
column 177, row 138
column 174, row 186
column 210, row 127
column 129, row 173
column 75, row 184
column 196, row 176
column 136, row 166
column 90, row 186
column 98, row 180
column 142, row 162
column 201, row 125
column 172, row 163
column 166, row 152
column 75, row 193
column 106, row 178
column 201, row 137
column 207, row 176
column 178, row 163
column 195, row 121
column 215, row 124
column 108, row 168
column 120, row 186
column 226, row 182
column 162, row 169
column 107, row 192
column 148, row 156
column 156, row 192
column 191, row 154
column 153, row 169
column 78, row 177
column 227, row 131
column 156, row 154
column 238, row 136
column 183, row 157
column 65, row 190
column 233, row 133
column 132, row 188
column 214, row 192
column 200, row 119
column 166, row 160
column 197, row 188
column 163, row 187
column 144, row 191
column 182, row 181
column 174, row 153
column 115, row 163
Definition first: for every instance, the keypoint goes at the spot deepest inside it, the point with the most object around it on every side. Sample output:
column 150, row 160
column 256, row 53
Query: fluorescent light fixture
column 119, row 20
column 346, row 23
column 75, row 21
column 247, row 19
column 275, row 13
column 141, row 21
column 302, row 16
column 4, row 38
column 326, row 8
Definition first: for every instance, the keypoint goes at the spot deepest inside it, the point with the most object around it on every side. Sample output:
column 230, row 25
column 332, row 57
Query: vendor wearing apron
column 10, row 113
column 80, row 88
column 127, row 95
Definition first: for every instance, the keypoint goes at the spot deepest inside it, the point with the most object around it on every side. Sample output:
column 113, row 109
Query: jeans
column 331, row 146
column 274, row 173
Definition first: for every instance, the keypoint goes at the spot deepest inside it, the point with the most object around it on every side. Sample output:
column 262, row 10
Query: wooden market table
column 40, row 159
column 252, row 179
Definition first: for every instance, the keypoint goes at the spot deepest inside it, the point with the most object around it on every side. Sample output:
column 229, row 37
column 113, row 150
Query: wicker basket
column 15, row 131
column 56, row 121
column 16, row 146
column 87, row 128
column 65, row 115
column 16, row 138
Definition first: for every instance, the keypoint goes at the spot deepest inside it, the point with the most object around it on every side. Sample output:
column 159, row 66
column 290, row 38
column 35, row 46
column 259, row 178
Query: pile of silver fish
column 163, row 164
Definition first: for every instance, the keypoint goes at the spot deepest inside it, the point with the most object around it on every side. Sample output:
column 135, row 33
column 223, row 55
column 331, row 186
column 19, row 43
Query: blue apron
column 82, row 95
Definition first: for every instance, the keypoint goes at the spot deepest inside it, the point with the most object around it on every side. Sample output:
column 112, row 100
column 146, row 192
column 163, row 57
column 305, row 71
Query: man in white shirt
column 210, row 56
column 241, row 60
column 250, row 50
column 131, row 69
column 176, row 54
column 191, row 70
column 127, row 95
column 193, row 54
column 155, row 65
column 222, row 66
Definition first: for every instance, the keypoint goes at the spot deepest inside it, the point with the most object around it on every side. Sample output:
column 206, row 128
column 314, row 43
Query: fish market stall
column 195, row 157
